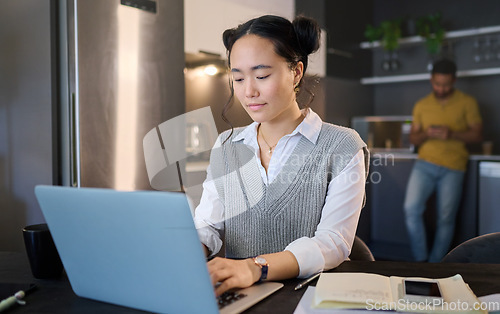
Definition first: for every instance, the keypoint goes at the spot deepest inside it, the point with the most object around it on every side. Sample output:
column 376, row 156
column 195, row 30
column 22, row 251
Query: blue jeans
column 426, row 178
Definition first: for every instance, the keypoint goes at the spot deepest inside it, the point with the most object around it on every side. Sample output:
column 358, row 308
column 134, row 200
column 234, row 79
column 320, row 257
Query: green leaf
column 373, row 33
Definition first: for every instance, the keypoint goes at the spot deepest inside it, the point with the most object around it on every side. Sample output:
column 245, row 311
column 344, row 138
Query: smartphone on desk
column 422, row 290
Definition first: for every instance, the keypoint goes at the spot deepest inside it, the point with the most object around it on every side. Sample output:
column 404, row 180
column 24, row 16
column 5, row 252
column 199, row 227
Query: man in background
column 443, row 122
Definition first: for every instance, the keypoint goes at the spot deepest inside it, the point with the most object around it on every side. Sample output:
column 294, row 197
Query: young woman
column 285, row 192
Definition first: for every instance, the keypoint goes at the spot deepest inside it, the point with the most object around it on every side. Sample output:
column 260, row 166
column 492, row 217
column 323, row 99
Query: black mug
column 42, row 253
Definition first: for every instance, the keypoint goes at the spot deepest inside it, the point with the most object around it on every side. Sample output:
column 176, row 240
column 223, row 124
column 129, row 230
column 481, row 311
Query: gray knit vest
column 262, row 219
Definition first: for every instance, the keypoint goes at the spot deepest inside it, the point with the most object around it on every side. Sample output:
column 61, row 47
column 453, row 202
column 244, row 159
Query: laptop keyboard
column 229, row 297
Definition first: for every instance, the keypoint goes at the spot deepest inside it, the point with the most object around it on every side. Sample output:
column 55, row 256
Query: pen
column 308, row 280
column 16, row 298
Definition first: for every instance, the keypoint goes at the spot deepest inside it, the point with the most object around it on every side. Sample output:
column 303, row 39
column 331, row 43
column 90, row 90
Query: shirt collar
column 450, row 98
column 309, row 128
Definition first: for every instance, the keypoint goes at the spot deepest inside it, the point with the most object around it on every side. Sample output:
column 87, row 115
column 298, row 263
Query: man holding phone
column 443, row 122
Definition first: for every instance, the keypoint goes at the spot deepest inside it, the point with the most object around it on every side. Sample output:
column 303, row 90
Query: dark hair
column 444, row 66
column 294, row 41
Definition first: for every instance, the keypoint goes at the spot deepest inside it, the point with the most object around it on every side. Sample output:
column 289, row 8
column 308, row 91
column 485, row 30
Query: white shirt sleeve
column 336, row 230
column 209, row 216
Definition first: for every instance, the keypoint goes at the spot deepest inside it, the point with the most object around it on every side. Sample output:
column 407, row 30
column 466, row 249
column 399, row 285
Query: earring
column 296, row 88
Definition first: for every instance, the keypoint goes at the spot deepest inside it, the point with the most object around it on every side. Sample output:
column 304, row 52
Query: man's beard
column 443, row 95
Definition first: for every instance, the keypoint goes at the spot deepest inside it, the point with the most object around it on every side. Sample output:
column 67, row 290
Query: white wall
column 206, row 20
column 25, row 115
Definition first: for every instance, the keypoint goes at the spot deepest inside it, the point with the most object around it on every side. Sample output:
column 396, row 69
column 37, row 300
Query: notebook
column 136, row 249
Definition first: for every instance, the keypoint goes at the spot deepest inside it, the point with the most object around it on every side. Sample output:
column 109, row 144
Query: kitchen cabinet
column 382, row 224
column 425, row 76
column 344, row 58
column 489, row 198
column 387, row 185
column 450, row 37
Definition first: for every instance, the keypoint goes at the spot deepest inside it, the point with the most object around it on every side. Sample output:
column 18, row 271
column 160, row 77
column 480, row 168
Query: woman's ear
column 298, row 72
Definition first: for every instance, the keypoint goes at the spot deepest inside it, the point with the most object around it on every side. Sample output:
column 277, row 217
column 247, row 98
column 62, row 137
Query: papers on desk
column 305, row 306
column 363, row 291
column 492, row 303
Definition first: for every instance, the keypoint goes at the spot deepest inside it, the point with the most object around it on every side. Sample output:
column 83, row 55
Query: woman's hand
column 244, row 272
column 233, row 273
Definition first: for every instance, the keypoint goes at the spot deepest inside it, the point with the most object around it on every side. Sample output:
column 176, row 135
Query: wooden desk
column 56, row 296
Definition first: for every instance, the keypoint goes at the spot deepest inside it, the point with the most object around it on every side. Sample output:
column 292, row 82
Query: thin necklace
column 271, row 148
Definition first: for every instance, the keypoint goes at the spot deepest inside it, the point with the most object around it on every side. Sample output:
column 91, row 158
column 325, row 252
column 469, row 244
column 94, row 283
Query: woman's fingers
column 225, row 285
column 230, row 274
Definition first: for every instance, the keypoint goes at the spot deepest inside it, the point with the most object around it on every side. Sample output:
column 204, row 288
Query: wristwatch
column 263, row 264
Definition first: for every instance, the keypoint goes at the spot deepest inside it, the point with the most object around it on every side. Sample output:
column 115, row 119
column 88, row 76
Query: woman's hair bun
column 308, row 34
column 227, row 38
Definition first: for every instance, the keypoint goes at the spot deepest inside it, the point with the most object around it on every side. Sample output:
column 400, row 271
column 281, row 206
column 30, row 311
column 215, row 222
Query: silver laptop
column 137, row 249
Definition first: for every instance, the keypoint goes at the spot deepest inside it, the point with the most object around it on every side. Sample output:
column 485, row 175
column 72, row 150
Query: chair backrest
column 483, row 249
column 360, row 251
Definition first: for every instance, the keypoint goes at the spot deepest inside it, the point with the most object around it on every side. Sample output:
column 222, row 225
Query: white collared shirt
column 336, row 230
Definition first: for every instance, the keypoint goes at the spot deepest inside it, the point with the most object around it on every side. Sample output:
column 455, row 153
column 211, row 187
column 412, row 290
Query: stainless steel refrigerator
column 120, row 74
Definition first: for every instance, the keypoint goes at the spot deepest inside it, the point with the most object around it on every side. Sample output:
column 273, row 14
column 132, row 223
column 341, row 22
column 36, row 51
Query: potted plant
column 391, row 33
column 373, row 33
column 388, row 33
column 431, row 28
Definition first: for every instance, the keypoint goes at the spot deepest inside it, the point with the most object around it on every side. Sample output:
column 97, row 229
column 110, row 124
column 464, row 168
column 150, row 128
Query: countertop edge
column 400, row 155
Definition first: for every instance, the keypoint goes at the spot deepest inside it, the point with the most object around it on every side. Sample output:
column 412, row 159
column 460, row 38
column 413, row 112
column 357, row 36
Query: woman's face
column 263, row 81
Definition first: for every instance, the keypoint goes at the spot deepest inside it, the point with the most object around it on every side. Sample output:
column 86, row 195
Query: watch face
column 261, row 260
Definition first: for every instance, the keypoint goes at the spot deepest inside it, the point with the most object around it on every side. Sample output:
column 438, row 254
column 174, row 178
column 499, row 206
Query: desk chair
column 483, row 249
column 360, row 251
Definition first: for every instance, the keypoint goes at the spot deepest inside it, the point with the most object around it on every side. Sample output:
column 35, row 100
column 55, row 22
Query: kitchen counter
column 485, row 157
column 399, row 154
column 388, row 154
column 382, row 222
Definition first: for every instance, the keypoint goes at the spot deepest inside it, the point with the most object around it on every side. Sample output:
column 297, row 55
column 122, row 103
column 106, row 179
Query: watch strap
column 264, row 267
column 263, row 275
